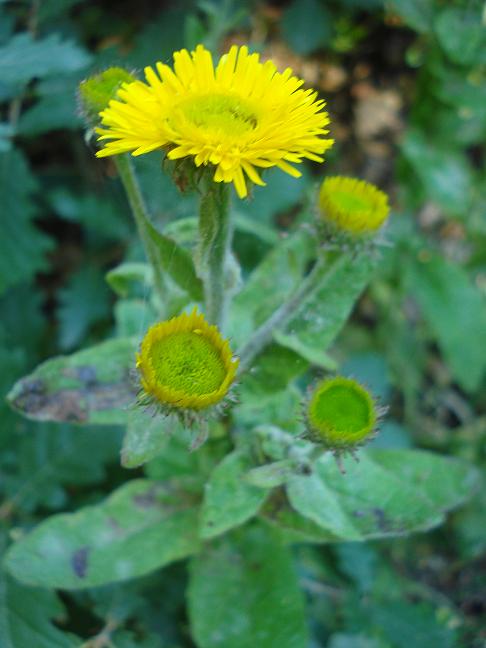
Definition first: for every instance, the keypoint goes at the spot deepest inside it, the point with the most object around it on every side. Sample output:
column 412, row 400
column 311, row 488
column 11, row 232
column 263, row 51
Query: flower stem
column 215, row 234
column 140, row 213
column 322, row 271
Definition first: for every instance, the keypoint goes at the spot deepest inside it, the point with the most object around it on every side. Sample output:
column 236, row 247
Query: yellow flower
column 353, row 206
column 184, row 363
column 241, row 116
column 341, row 414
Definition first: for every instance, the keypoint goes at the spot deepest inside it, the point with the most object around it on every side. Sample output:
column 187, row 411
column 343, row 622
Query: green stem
column 215, row 234
column 263, row 336
column 140, row 213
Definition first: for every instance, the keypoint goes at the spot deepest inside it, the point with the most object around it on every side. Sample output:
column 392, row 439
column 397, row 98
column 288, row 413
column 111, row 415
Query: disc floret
column 352, row 207
column 185, row 366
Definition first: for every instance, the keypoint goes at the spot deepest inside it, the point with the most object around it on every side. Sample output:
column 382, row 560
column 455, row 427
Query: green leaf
column 456, row 312
column 55, row 108
column 273, row 370
column 23, row 246
column 272, row 281
column 443, row 171
column 390, row 492
column 146, row 436
column 141, row 527
column 122, row 278
column 26, row 616
column 92, row 386
column 51, row 457
column 418, row 14
column 177, row 262
column 244, row 593
column 100, row 213
column 23, row 58
column 229, row 500
column 314, row 327
column 306, row 25
column 461, row 33
column 292, row 526
column 82, row 302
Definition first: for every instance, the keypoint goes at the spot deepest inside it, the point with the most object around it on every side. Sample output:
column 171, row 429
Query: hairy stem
column 323, row 270
column 215, row 234
column 140, row 213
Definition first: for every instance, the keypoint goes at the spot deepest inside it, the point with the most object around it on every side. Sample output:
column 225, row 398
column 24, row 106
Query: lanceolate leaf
column 141, row 527
column 320, row 319
column 91, row 386
column 244, row 593
column 389, row 493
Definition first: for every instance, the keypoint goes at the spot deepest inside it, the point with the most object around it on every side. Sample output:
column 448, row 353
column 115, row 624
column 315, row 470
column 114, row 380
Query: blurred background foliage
column 405, row 86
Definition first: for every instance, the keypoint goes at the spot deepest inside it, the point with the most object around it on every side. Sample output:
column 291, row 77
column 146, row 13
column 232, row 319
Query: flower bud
column 96, row 92
column 341, row 415
column 352, row 208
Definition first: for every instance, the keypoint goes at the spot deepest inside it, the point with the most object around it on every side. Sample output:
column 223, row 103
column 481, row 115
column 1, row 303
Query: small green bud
column 341, row 415
column 96, row 92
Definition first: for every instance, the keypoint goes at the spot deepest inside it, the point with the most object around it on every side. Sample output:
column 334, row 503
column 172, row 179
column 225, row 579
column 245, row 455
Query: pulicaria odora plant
column 231, row 121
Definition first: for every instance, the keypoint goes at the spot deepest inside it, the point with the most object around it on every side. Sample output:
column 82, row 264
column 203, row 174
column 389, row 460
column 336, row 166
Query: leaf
column 418, row 14
column 55, row 107
column 456, row 312
column 292, row 526
column 23, row 58
column 51, row 457
column 92, row 386
column 146, row 436
column 443, row 171
column 122, row 278
column 139, row 528
column 272, row 281
column 101, row 214
column 82, row 302
column 177, row 262
column 228, row 499
column 390, row 492
column 320, row 319
column 244, row 593
column 461, row 33
column 23, row 245
column 306, row 26
column 25, row 617
column 273, row 369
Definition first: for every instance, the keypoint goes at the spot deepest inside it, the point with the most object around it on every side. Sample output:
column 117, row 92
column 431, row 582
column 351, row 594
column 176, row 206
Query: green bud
column 341, row 415
column 96, row 92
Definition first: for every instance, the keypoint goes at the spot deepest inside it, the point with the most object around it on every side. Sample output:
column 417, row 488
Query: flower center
column 349, row 202
column 218, row 112
column 342, row 410
column 188, row 362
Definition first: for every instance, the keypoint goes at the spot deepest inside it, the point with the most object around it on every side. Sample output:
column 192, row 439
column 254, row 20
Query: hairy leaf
column 141, row 527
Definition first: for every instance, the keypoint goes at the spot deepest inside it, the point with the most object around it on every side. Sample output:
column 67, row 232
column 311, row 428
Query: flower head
column 353, row 206
column 240, row 116
column 185, row 364
column 341, row 415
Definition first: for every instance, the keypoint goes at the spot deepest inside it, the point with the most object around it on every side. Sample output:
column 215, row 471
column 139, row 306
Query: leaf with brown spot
column 92, row 386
